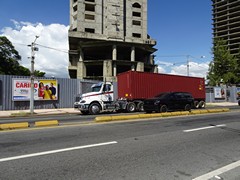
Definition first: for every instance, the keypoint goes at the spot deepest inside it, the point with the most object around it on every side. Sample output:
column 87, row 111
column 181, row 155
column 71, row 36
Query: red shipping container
column 142, row 85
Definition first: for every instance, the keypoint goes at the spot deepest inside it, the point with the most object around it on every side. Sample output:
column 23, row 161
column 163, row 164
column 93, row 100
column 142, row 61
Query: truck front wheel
column 94, row 108
column 131, row 107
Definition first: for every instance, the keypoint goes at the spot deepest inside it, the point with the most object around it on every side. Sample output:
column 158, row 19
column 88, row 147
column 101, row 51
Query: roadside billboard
column 44, row 89
column 219, row 93
column 238, row 92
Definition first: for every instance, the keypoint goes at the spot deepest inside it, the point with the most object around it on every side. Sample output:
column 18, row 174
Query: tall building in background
column 226, row 22
column 107, row 37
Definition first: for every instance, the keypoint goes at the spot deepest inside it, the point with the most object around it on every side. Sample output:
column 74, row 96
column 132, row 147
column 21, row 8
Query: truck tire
column 202, row 104
column 140, row 107
column 85, row 112
column 196, row 104
column 131, row 107
column 94, row 108
column 187, row 107
column 163, row 109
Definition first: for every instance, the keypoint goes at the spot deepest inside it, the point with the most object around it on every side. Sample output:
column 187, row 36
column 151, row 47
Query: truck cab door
column 107, row 94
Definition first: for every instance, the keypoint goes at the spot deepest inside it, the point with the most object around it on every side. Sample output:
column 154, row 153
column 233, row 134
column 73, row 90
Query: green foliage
column 9, row 60
column 224, row 66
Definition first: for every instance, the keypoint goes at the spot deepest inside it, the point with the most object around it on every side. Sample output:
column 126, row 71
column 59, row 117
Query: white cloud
column 195, row 69
column 55, row 36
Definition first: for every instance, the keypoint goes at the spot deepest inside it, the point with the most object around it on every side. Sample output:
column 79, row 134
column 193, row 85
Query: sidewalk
column 12, row 113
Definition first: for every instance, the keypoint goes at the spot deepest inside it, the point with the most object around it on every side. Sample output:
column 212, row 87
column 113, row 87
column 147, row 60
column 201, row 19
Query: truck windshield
column 96, row 88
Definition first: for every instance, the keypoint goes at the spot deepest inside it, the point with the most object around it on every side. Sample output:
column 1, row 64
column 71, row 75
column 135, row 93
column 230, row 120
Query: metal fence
column 68, row 90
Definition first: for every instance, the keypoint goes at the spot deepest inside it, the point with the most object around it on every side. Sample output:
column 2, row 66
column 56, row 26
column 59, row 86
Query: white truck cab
column 99, row 99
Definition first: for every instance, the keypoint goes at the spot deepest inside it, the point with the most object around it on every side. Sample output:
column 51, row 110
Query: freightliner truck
column 132, row 87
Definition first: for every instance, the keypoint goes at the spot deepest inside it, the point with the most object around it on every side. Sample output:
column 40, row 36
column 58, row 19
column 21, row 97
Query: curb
column 11, row 126
column 23, row 125
column 158, row 115
column 46, row 123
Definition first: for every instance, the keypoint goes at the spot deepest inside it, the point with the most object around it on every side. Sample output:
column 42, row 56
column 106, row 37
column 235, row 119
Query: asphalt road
column 192, row 147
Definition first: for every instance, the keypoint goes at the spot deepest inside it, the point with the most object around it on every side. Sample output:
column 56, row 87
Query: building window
column 136, row 5
column 90, row 0
column 74, row 1
column 136, row 23
column 75, row 8
column 90, row 7
column 136, row 35
column 89, row 17
column 136, row 14
column 89, row 30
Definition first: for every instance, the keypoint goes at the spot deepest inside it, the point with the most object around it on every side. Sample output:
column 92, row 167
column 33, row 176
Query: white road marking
column 56, row 151
column 203, row 128
column 219, row 171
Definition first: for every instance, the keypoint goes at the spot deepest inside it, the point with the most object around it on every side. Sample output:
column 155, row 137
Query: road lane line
column 203, row 128
column 219, row 171
column 56, row 151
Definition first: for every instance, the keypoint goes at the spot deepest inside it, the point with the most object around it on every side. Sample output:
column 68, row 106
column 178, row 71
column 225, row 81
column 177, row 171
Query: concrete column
column 155, row 69
column 114, row 68
column 133, row 53
column 133, row 58
column 81, row 55
column 114, row 58
column 81, row 70
column 114, row 52
column 140, row 66
column 107, row 69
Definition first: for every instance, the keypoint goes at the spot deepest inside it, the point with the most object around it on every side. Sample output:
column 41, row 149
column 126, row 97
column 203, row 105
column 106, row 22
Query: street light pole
column 187, row 65
column 33, row 49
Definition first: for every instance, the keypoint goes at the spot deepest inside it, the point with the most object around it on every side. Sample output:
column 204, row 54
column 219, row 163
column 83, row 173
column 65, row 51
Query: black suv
column 169, row 101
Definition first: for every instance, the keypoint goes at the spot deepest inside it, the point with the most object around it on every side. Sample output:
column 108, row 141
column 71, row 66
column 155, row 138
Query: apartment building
column 107, row 37
column 226, row 22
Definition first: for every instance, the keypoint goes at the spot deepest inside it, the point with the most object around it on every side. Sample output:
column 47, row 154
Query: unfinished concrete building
column 226, row 22
column 107, row 37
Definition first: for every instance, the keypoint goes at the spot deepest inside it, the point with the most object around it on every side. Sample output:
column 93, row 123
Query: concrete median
column 10, row 126
column 158, row 115
column 46, row 123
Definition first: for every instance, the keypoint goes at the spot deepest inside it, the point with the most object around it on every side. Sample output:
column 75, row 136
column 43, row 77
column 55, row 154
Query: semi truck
column 132, row 88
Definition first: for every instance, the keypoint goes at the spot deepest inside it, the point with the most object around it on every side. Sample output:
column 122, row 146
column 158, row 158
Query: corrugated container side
column 142, row 85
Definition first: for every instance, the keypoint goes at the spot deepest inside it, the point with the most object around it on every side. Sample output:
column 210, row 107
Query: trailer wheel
column 85, row 112
column 196, row 104
column 202, row 104
column 163, row 109
column 131, row 107
column 94, row 108
column 140, row 107
column 187, row 107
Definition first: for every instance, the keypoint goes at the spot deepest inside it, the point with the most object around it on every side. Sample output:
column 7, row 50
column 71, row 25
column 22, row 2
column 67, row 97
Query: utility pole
column 187, row 65
column 33, row 49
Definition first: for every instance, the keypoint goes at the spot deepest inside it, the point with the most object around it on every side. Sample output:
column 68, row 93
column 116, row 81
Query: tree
column 9, row 60
column 224, row 67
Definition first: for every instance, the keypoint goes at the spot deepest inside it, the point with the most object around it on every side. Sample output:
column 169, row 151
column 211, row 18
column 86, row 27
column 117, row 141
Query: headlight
column 156, row 102
column 83, row 101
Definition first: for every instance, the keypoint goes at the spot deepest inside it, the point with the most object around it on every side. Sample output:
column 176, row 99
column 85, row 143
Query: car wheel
column 85, row 112
column 163, row 109
column 131, row 107
column 94, row 108
column 187, row 107
column 239, row 102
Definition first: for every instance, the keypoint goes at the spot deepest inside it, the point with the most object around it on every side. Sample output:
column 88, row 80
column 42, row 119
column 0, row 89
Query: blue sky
column 181, row 27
